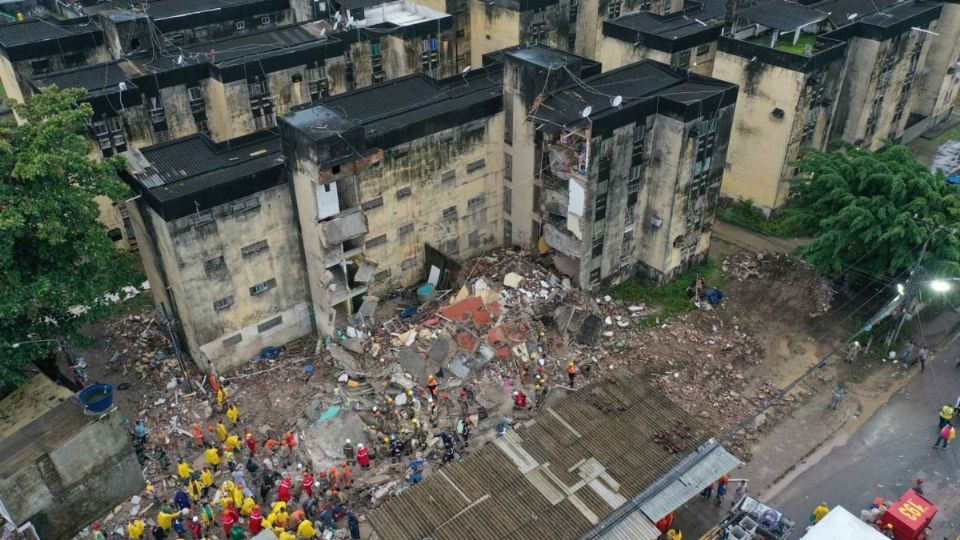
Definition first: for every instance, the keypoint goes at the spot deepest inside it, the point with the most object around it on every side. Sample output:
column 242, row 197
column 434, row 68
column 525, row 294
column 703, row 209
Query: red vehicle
column 910, row 517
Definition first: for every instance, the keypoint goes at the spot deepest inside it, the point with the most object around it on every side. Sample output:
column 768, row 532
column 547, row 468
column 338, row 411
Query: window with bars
column 233, row 340
column 473, row 239
column 572, row 12
column 507, row 167
column 264, row 19
column 254, row 248
column 429, row 53
column 507, row 232
column 613, row 9
column 376, row 60
column 682, row 59
column 508, row 122
column 597, row 248
column 244, row 205
column 476, row 204
column 405, row 231
column 595, row 276
column 453, row 246
column 157, row 115
column 263, row 287
column 448, row 178
column 223, row 303
column 264, row 326
column 409, row 263
column 214, row 264
column 538, row 32
column 507, row 200
column 372, row 203
column 317, row 83
column 600, row 207
column 476, row 165
column 450, row 213
column 376, row 241
column 405, row 192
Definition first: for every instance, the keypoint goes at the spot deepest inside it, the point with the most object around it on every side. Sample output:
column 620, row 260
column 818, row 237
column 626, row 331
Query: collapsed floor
column 508, row 324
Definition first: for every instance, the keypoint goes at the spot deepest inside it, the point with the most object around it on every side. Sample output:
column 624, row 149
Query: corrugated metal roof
column 703, row 469
column 583, row 458
column 635, row 526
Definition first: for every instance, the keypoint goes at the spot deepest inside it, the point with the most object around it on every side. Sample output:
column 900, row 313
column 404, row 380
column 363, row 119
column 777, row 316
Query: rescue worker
column 305, row 530
column 348, row 452
column 308, row 481
column 571, row 372
column 221, row 430
column 283, row 492
column 198, row 436
column 946, row 415
column 135, row 529
column 251, row 442
column 819, row 512
column 347, row 475
column 206, row 480
column 184, row 470
column 354, row 525
column 221, row 398
column 233, row 413
column 236, row 532
column 432, row 385
column 519, row 400
column 232, row 443
column 947, row 434
column 165, row 518
column 363, row 456
column 256, row 520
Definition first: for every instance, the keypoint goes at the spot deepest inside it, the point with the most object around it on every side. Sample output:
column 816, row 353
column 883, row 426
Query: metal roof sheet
column 783, row 16
column 565, row 471
column 703, row 470
column 635, row 526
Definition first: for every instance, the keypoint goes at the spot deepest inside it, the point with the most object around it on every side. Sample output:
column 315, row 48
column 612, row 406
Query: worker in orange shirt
column 571, row 372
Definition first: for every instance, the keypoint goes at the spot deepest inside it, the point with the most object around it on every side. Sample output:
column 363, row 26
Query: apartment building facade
column 220, row 244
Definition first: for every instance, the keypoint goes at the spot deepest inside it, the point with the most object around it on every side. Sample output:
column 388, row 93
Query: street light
column 939, row 285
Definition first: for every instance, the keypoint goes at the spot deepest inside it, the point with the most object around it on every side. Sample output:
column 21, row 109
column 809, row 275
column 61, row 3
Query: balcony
column 342, row 227
column 559, row 238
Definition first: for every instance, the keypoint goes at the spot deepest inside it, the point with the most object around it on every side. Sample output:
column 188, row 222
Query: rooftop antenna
column 701, row 23
column 616, row 101
column 852, row 16
column 586, row 111
column 924, row 30
column 180, row 60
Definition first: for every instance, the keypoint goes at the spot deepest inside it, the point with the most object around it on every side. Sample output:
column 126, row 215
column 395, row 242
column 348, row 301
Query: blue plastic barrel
column 96, row 398
column 425, row 293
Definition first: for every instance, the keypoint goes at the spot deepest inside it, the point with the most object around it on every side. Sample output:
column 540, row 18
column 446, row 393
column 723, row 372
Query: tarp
column 842, row 525
column 909, row 516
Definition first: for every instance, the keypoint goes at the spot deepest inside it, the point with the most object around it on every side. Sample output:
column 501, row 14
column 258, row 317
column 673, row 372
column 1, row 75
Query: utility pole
column 910, row 291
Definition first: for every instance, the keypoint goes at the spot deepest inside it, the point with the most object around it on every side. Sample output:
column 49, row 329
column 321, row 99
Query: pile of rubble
column 506, row 323
column 788, row 271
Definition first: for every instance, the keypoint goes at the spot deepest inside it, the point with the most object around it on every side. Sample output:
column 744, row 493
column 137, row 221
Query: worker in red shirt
column 363, row 456
column 519, row 400
column 227, row 520
column 256, row 520
column 283, row 492
column 308, row 483
column 251, row 442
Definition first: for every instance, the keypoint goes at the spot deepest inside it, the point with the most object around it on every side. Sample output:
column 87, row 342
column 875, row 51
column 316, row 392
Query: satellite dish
column 586, row 111
column 616, row 101
column 851, row 16
column 123, row 86
column 465, row 70
column 180, row 60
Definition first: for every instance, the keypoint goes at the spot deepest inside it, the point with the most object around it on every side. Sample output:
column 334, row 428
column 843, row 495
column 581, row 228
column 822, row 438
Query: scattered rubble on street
column 506, row 324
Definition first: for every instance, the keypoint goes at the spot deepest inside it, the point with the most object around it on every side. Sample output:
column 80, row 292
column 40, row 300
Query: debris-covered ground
column 507, row 324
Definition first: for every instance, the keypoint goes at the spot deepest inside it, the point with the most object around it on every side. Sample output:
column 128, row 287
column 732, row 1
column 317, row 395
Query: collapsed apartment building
column 595, row 464
column 396, row 184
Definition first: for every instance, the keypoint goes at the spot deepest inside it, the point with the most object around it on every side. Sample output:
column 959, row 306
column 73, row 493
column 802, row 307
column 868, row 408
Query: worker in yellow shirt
column 195, row 488
column 165, row 518
column 232, row 443
column 213, row 457
column 282, row 517
column 206, row 480
column 306, row 530
column 221, row 397
column 233, row 413
column 285, row 535
column 183, row 469
column 247, row 507
column 820, row 511
column 270, row 520
column 135, row 529
column 237, row 495
column 221, row 430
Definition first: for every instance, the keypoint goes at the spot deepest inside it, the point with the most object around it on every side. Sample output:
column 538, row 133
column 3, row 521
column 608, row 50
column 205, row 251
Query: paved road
column 888, row 452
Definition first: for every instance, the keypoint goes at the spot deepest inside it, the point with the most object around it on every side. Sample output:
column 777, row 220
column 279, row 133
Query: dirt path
column 751, row 241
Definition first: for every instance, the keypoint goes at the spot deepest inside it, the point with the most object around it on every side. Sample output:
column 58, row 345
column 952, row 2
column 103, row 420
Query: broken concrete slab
column 440, row 350
column 344, row 358
column 589, row 332
column 512, row 280
column 459, row 366
column 345, row 226
column 323, row 439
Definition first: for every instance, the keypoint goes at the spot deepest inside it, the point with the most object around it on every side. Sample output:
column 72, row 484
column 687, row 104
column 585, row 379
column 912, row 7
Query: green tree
column 874, row 210
column 54, row 253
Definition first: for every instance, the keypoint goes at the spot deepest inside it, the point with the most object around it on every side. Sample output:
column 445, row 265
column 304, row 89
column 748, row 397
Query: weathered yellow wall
column 491, row 28
column 938, row 88
column 759, row 141
column 184, row 249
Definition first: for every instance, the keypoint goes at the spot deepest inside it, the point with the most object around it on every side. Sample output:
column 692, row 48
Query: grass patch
column 785, row 42
column 743, row 213
column 671, row 298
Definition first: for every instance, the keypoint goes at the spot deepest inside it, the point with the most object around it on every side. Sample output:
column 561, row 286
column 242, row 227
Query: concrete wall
column 759, row 139
column 399, row 187
column 866, row 94
column 940, row 79
column 614, row 53
column 182, row 249
column 76, row 482
column 491, row 28
column 16, row 75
